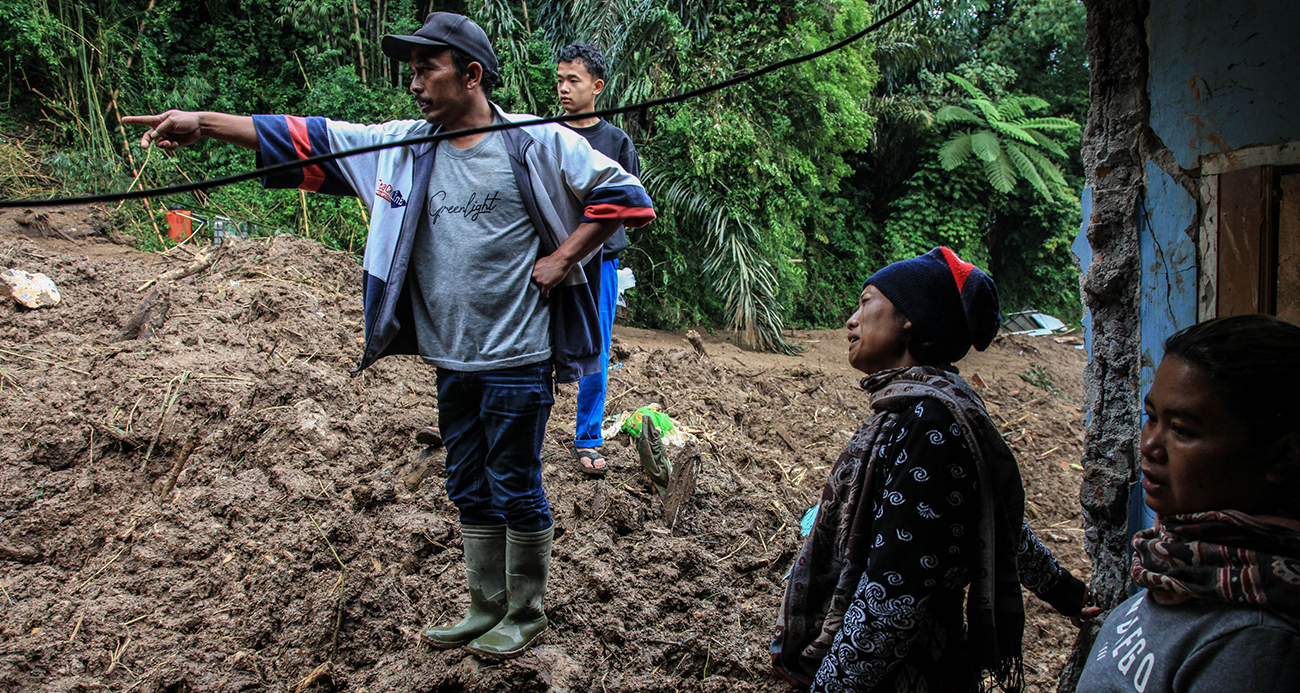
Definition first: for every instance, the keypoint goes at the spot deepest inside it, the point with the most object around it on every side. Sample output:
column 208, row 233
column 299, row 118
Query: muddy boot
column 528, row 562
column 485, row 571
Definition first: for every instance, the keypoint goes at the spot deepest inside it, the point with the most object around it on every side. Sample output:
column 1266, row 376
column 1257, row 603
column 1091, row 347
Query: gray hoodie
column 1196, row 647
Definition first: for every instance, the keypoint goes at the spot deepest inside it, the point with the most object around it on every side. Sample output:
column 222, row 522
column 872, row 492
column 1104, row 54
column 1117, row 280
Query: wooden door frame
column 1272, row 157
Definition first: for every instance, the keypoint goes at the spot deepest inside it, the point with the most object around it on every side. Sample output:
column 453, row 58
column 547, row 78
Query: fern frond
column 974, row 91
column 1064, row 124
column 987, row 108
column 957, row 114
column 955, row 150
column 1026, row 168
column 1047, row 167
column 1011, row 130
column 1000, row 173
column 985, row 146
column 734, row 265
column 1046, row 142
column 1010, row 109
column 1027, row 102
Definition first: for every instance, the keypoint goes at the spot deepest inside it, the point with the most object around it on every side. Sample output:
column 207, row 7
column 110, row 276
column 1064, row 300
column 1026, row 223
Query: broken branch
column 201, row 262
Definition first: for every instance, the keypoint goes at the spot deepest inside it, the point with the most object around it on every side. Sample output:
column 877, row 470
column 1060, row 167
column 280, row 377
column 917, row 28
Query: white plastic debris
column 34, row 290
column 626, row 280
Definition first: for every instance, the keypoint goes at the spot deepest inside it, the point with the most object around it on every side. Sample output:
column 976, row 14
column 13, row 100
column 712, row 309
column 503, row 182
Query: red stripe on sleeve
column 632, row 217
column 312, row 176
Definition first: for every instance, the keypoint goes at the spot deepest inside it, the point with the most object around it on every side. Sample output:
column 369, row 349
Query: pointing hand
column 168, row 130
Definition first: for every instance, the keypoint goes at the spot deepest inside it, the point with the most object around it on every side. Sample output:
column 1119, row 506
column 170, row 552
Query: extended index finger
column 146, row 120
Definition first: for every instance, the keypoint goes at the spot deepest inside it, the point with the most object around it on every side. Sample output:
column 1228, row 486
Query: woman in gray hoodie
column 1221, row 567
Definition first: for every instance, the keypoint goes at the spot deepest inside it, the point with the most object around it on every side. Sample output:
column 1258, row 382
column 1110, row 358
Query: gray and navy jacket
column 562, row 180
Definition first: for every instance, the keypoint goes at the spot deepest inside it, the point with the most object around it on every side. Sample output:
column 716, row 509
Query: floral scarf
column 825, row 576
column 1222, row 556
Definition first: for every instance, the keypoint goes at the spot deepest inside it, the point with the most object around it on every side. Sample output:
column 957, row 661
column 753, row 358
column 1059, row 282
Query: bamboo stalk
column 356, row 26
column 112, row 101
column 306, row 228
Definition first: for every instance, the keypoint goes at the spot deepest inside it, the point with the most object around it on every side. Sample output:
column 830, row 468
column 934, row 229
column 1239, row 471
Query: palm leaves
column 1006, row 140
column 734, row 266
column 635, row 36
column 500, row 20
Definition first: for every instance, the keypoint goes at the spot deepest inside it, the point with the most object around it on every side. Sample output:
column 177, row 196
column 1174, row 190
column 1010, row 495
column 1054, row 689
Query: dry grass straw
column 115, row 658
column 20, row 173
column 343, row 578
column 169, row 400
column 311, row 678
column 735, row 551
column 60, row 364
column 102, row 568
column 6, row 377
column 77, row 628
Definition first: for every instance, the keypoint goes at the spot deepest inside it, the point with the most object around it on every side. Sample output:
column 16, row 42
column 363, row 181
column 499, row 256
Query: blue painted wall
column 1168, row 301
column 1168, row 257
column 1223, row 75
column 1083, row 254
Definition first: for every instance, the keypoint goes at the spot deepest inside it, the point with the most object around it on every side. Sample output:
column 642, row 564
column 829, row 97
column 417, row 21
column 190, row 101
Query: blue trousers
column 493, row 424
column 591, row 389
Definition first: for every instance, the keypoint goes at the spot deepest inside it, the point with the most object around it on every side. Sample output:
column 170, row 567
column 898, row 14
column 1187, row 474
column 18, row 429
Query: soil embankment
column 196, row 496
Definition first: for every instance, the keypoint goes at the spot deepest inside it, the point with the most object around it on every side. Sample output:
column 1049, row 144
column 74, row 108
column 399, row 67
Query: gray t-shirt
column 1195, row 647
column 476, row 307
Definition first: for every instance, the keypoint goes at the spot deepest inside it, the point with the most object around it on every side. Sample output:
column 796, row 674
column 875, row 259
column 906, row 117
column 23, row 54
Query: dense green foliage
column 899, row 200
column 1006, row 138
column 776, row 198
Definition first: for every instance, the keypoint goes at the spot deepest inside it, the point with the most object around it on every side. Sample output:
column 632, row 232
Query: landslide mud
column 195, row 494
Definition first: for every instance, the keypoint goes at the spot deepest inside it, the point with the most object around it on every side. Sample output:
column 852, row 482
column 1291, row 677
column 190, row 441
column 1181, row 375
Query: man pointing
column 474, row 260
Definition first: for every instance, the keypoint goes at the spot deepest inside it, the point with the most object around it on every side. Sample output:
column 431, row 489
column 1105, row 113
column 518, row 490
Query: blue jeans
column 493, row 424
column 591, row 389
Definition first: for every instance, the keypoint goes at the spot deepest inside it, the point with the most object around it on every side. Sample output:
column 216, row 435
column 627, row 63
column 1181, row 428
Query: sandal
column 430, row 436
column 594, row 466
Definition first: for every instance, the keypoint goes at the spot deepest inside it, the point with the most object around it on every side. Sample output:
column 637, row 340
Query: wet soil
column 195, row 495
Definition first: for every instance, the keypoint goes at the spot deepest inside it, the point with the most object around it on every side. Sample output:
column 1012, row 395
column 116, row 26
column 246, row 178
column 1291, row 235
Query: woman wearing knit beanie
column 910, row 578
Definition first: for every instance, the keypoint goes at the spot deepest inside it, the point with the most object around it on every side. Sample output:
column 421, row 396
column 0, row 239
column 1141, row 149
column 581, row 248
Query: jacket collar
column 423, row 148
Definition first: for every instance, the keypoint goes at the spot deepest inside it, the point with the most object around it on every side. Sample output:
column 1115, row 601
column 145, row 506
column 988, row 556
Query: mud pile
column 197, row 496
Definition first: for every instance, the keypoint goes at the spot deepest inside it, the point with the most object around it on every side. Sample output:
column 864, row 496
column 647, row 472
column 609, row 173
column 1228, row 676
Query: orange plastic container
column 178, row 224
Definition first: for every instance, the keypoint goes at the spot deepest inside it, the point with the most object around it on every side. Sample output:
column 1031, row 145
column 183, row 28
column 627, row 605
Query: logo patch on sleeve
column 394, row 196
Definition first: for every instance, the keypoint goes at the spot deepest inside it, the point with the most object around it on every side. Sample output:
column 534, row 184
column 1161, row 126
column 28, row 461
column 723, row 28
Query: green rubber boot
column 528, row 563
column 485, row 571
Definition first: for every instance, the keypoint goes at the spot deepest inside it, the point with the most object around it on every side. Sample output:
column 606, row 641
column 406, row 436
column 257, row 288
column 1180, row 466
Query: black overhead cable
column 290, row 165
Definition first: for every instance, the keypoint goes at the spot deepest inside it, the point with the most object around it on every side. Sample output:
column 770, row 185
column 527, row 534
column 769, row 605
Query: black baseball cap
column 446, row 29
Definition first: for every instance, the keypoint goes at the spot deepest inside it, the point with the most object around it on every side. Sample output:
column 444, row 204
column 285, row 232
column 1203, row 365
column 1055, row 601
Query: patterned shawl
column 826, row 573
column 1222, row 556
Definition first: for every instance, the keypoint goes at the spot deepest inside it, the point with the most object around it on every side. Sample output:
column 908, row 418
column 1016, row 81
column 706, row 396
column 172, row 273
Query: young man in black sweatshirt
column 580, row 78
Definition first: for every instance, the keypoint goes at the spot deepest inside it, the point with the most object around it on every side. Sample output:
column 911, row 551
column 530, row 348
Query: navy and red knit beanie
column 952, row 304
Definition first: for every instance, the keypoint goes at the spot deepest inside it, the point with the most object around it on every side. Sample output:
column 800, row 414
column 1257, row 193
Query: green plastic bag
column 632, row 426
